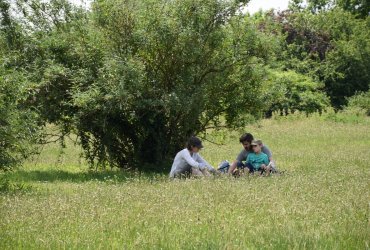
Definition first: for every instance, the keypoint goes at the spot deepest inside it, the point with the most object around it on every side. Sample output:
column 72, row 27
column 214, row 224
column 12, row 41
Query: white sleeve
column 205, row 163
column 187, row 157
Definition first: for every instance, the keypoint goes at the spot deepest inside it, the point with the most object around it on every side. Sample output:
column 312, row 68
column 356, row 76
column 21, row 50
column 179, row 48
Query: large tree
column 174, row 68
column 134, row 79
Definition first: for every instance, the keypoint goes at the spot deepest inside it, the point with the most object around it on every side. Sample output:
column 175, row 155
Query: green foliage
column 7, row 186
column 19, row 128
column 288, row 91
column 360, row 101
column 176, row 68
column 135, row 79
column 19, row 122
column 346, row 68
column 348, row 115
column 359, row 8
column 330, row 46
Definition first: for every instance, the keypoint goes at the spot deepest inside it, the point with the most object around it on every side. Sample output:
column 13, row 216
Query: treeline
column 133, row 79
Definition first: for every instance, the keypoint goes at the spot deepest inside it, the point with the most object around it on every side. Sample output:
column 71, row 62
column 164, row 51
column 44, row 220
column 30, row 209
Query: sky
column 256, row 5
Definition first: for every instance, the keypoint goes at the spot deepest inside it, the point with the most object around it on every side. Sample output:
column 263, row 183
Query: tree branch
column 215, row 143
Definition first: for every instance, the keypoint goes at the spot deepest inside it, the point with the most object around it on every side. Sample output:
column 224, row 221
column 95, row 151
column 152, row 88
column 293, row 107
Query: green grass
column 322, row 202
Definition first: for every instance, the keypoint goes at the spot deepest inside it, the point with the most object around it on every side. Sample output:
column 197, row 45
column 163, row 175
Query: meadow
column 320, row 202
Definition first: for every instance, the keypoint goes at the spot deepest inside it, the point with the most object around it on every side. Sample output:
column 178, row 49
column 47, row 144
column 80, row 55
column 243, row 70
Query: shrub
column 7, row 186
column 287, row 91
column 19, row 128
column 349, row 115
column 19, row 122
column 360, row 101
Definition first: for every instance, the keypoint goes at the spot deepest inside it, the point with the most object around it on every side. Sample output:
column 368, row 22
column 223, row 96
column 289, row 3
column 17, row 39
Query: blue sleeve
column 267, row 161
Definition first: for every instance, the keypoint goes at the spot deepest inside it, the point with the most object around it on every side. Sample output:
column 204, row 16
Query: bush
column 7, row 186
column 360, row 101
column 287, row 91
column 19, row 121
column 19, row 127
column 353, row 115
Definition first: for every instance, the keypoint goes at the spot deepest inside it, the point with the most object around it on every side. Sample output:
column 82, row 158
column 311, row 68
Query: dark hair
column 246, row 137
column 194, row 142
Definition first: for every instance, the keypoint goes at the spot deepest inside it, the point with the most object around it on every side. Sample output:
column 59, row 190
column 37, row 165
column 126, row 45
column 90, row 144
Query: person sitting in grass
column 257, row 160
column 189, row 162
column 246, row 140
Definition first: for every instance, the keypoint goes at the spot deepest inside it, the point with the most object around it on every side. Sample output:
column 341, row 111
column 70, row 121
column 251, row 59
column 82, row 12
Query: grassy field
column 322, row 202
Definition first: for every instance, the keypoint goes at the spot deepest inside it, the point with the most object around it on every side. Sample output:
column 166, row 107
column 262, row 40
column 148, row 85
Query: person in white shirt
column 189, row 162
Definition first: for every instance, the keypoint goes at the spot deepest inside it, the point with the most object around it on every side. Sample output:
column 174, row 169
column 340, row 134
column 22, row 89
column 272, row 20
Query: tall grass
column 321, row 202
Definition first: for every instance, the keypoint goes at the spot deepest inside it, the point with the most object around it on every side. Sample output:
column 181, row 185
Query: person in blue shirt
column 257, row 160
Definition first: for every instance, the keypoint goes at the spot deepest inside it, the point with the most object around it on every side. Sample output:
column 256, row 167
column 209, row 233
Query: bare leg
column 205, row 172
column 196, row 172
column 200, row 173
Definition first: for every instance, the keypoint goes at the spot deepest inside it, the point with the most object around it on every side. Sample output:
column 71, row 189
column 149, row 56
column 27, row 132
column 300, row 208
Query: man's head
column 257, row 146
column 246, row 140
column 194, row 144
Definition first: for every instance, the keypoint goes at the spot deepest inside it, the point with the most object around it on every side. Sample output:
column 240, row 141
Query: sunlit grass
column 322, row 201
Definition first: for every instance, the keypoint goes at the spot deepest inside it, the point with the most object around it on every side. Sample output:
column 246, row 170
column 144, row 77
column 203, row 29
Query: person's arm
column 205, row 163
column 187, row 157
column 267, row 151
column 241, row 157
